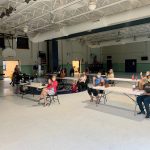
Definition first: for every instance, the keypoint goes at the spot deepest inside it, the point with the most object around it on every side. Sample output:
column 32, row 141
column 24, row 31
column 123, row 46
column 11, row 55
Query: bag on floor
column 74, row 88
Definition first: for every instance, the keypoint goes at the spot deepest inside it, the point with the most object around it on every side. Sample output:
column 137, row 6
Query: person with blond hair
column 51, row 89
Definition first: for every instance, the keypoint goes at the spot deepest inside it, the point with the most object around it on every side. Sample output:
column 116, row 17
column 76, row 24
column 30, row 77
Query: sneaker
column 141, row 112
column 147, row 116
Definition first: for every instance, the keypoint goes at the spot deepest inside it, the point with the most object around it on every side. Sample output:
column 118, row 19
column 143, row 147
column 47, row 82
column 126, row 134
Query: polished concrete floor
column 75, row 124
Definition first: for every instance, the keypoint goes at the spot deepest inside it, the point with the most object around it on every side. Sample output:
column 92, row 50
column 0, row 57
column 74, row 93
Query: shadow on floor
column 114, row 110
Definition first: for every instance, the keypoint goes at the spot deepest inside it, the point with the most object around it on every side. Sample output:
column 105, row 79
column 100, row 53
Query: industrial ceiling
column 36, row 17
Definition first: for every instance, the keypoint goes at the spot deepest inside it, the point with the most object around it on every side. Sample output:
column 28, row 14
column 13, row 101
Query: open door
column 76, row 65
column 8, row 68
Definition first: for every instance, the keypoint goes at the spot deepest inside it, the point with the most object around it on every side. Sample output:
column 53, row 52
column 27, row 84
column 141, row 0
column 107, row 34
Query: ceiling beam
column 85, row 13
column 52, row 11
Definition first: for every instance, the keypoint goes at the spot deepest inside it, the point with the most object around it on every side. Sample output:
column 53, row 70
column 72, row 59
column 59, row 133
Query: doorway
column 8, row 68
column 109, row 64
column 76, row 65
column 130, row 65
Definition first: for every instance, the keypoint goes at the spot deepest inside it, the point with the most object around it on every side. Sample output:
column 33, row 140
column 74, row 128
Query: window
column 22, row 43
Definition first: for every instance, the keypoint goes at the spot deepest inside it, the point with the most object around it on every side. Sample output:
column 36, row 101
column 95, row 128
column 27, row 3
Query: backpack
column 74, row 88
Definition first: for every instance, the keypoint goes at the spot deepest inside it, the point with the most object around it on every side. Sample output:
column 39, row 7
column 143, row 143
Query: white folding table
column 125, row 91
column 124, row 80
column 33, row 85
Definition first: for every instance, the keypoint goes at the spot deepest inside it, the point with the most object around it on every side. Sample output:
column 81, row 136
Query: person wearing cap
column 145, row 99
column 98, row 80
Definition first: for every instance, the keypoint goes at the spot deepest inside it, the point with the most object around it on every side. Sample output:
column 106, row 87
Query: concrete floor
column 75, row 124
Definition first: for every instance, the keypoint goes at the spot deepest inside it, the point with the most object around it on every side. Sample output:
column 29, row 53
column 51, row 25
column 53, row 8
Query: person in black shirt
column 72, row 71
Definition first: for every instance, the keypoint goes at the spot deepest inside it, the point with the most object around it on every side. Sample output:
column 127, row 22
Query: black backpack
column 147, row 87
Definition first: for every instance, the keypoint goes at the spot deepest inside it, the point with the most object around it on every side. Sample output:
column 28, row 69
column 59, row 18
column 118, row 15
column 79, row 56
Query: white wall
column 73, row 49
column 27, row 57
column 69, row 50
column 127, row 51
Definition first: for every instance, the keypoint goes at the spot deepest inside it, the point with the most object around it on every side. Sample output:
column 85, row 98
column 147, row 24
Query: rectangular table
column 124, row 80
column 125, row 91
column 33, row 85
column 118, row 79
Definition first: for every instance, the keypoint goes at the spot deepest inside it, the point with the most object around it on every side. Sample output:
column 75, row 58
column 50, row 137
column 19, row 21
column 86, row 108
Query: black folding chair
column 53, row 98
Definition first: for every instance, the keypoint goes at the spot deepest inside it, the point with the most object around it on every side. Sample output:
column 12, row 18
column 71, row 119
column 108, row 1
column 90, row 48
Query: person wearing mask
column 97, row 81
column 145, row 99
column 51, row 89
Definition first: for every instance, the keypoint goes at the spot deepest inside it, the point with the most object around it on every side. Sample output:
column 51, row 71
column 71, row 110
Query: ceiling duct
column 2, row 2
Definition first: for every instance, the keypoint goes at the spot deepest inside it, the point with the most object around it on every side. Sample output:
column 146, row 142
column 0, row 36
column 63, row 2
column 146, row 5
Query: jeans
column 143, row 99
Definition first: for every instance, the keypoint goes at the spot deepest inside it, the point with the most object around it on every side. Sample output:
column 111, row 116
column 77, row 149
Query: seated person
column 82, row 82
column 98, row 80
column 145, row 99
column 143, row 80
column 110, row 74
column 62, row 73
column 51, row 89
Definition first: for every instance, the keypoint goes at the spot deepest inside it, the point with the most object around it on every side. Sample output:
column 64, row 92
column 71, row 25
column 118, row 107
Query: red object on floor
column 74, row 88
column 133, row 77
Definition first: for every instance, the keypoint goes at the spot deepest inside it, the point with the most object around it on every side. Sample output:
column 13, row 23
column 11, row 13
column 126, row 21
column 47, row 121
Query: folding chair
column 102, row 95
column 52, row 98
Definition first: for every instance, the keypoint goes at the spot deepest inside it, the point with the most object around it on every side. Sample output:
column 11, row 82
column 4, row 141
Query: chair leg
column 135, row 108
column 53, row 98
column 50, row 100
column 105, row 99
column 58, row 99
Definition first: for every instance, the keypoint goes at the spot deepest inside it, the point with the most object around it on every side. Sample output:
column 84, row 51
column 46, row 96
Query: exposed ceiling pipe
column 58, row 22
column 49, row 12
column 121, row 42
column 88, row 26
column 19, row 12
